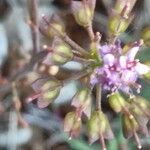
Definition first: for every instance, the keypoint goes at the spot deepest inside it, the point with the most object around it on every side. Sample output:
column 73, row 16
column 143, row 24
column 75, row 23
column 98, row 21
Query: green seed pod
column 72, row 124
column 54, row 25
column 83, row 13
column 146, row 36
column 141, row 117
column 52, row 31
column 147, row 75
column 47, row 90
column 50, row 91
column 117, row 102
column 84, row 16
column 61, row 53
column 93, row 127
column 143, row 104
column 82, row 101
column 124, row 5
column 98, row 124
column 129, row 126
column 117, row 25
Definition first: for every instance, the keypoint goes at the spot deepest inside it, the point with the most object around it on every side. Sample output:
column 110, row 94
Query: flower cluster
column 112, row 67
column 119, row 71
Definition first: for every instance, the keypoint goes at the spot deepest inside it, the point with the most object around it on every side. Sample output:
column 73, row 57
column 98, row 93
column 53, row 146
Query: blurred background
column 42, row 129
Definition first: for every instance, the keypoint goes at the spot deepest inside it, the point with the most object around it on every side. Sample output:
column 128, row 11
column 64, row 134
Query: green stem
column 98, row 97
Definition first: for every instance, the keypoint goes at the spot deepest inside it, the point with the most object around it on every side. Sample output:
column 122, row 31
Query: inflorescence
column 111, row 66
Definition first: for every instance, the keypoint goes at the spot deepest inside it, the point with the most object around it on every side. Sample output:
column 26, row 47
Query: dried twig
column 34, row 24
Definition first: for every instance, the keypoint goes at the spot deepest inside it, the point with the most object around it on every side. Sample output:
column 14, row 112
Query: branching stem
column 33, row 12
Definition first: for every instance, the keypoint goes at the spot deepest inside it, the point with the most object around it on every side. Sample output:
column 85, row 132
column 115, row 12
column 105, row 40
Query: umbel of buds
column 111, row 67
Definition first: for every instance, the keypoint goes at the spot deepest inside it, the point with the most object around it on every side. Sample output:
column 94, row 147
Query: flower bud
column 60, row 53
column 72, row 124
column 82, row 12
column 82, row 101
column 99, row 125
column 117, row 102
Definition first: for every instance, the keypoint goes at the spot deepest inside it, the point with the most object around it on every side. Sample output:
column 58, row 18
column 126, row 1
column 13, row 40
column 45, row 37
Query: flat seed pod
column 98, row 124
column 83, row 13
column 47, row 90
column 93, row 128
column 51, row 26
column 146, row 36
column 72, row 124
column 37, row 84
column 129, row 125
column 117, row 102
column 116, row 26
column 61, row 53
column 82, row 100
column 48, row 97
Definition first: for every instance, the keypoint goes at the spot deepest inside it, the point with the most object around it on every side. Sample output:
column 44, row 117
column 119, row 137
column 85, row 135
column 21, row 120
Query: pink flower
column 119, row 72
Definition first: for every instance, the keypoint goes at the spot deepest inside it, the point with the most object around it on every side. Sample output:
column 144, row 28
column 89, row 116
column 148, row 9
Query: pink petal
column 105, row 49
column 129, row 76
column 93, row 80
column 125, row 88
column 132, row 53
column 142, row 69
column 109, row 59
column 123, row 61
